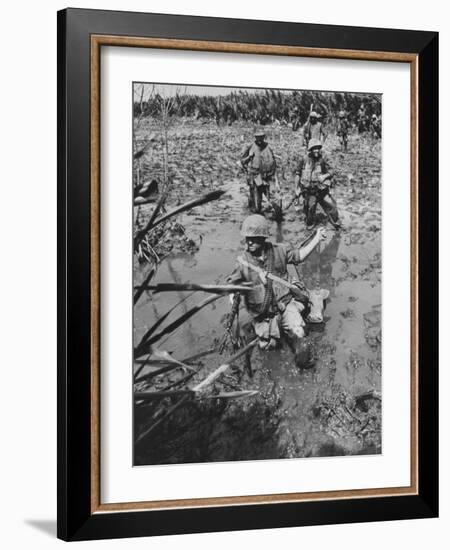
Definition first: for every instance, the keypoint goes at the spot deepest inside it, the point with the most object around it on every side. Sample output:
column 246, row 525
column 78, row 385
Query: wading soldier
column 313, row 178
column 362, row 120
column 342, row 130
column 375, row 126
column 275, row 303
column 259, row 162
column 313, row 129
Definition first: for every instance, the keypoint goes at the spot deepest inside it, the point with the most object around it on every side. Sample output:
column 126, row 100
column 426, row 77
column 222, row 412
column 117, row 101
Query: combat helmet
column 313, row 114
column 259, row 132
column 341, row 114
column 314, row 143
column 255, row 226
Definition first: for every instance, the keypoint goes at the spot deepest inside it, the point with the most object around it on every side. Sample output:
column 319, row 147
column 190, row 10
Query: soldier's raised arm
column 305, row 250
column 296, row 255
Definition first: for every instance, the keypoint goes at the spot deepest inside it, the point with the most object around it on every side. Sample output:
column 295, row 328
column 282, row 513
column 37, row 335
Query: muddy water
column 287, row 419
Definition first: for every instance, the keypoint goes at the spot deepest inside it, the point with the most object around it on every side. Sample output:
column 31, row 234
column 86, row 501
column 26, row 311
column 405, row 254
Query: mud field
column 331, row 409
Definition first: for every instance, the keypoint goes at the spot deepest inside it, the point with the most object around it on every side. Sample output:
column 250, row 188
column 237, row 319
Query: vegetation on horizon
column 259, row 106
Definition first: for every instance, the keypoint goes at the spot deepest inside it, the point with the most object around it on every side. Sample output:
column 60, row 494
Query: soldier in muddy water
column 277, row 304
column 342, row 129
column 375, row 126
column 362, row 119
column 258, row 161
column 314, row 129
column 313, row 179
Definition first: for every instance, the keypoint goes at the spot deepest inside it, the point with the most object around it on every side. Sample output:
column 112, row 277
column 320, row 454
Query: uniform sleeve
column 236, row 276
column 244, row 154
column 326, row 166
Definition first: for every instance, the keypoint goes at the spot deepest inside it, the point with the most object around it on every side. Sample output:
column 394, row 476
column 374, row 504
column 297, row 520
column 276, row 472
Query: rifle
column 291, row 202
column 298, row 290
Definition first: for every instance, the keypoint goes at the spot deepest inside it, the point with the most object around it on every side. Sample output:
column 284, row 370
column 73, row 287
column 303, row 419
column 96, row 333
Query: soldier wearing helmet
column 362, row 119
column 313, row 129
column 275, row 309
column 258, row 160
column 342, row 129
column 375, row 126
column 313, row 178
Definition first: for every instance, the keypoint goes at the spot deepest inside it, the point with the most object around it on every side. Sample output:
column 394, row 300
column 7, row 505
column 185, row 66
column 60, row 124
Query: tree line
column 259, row 107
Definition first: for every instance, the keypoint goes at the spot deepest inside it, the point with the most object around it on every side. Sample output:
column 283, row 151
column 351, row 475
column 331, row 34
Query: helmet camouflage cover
column 314, row 143
column 255, row 226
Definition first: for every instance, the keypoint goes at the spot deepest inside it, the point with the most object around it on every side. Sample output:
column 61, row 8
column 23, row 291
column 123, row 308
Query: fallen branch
column 186, row 359
column 200, row 387
column 225, row 366
column 216, row 289
column 151, row 395
column 140, row 201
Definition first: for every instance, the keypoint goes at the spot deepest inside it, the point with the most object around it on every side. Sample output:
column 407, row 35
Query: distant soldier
column 375, row 126
column 342, row 129
column 276, row 303
column 295, row 118
column 259, row 162
column 361, row 120
column 313, row 178
column 313, row 129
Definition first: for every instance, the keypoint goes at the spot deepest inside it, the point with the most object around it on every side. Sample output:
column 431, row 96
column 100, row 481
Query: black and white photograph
column 256, row 273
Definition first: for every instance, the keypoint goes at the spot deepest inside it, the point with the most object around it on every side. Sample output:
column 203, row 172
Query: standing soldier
column 313, row 129
column 362, row 120
column 375, row 126
column 342, row 129
column 259, row 162
column 295, row 118
column 275, row 302
column 313, row 178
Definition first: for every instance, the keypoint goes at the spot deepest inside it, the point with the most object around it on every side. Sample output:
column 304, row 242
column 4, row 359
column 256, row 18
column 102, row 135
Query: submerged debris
column 349, row 423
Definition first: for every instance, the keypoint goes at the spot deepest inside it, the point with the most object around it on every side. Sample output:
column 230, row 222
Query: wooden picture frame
column 81, row 35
